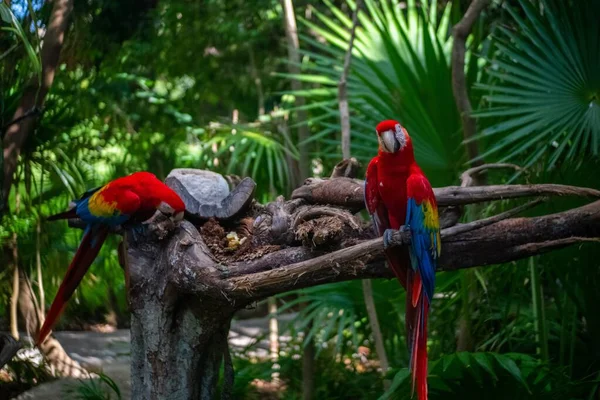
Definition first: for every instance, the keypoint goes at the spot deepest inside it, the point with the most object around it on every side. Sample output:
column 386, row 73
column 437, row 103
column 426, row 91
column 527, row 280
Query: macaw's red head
column 165, row 199
column 392, row 137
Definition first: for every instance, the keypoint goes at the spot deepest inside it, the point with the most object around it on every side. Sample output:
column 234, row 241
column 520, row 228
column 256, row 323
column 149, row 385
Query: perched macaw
column 399, row 197
column 131, row 199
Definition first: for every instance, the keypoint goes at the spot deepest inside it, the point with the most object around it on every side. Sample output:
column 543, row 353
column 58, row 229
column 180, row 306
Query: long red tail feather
column 90, row 245
column 417, row 309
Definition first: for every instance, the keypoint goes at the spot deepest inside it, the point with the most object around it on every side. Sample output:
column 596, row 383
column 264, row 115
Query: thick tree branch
column 503, row 241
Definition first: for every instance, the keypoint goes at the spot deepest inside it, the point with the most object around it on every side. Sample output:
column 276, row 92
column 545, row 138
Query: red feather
column 86, row 253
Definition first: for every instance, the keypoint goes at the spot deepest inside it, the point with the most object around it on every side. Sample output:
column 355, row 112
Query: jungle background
column 223, row 85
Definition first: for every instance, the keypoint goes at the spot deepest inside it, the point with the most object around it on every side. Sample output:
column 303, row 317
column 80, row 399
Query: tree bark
column 14, row 298
column 35, row 94
column 178, row 340
column 291, row 32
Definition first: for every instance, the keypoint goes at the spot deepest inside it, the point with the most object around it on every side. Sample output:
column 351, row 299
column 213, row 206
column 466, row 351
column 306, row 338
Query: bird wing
column 396, row 257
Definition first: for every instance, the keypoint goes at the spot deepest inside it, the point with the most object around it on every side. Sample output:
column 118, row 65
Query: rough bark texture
column 186, row 282
column 178, row 339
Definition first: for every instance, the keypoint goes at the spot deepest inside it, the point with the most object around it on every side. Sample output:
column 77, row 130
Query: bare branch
column 467, row 178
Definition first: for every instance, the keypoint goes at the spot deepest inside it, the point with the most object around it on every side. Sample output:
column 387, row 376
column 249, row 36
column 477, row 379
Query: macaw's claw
column 387, row 238
column 405, row 228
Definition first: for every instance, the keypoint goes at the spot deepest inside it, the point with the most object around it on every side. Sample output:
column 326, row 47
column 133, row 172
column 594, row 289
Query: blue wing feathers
column 423, row 242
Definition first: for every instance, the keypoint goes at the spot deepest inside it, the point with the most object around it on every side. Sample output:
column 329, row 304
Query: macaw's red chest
column 392, row 177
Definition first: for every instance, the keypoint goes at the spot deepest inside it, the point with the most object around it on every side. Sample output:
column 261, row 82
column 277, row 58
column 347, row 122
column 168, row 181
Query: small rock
column 198, row 187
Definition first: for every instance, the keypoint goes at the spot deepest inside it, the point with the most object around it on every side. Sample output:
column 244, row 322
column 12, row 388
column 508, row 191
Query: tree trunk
column 178, row 340
column 274, row 339
column 14, row 298
column 308, row 368
column 460, row 32
column 35, row 94
column 291, row 32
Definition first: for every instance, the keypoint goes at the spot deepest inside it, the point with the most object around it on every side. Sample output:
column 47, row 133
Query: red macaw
column 131, row 199
column 399, row 197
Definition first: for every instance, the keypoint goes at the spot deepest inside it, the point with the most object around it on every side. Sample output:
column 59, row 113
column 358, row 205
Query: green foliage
column 8, row 17
column 543, row 95
column 103, row 388
column 147, row 95
column 491, row 376
column 400, row 70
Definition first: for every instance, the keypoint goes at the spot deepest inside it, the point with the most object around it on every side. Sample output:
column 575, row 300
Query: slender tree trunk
column 294, row 68
column 274, row 339
column 35, row 94
column 309, row 354
column 38, row 265
column 460, row 32
column 14, row 299
column 308, row 369
column 302, row 166
column 257, row 82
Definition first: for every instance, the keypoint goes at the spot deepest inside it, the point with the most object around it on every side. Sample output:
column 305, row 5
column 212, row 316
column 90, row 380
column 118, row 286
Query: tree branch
column 459, row 81
column 472, row 245
column 349, row 193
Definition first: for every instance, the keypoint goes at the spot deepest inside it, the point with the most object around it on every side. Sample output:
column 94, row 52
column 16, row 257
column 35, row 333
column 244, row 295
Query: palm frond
column 544, row 94
column 400, row 69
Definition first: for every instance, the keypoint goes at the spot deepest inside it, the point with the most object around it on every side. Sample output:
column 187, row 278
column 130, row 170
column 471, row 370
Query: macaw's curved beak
column 389, row 142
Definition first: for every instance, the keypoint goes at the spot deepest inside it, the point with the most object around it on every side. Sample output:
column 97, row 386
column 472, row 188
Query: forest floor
column 110, row 353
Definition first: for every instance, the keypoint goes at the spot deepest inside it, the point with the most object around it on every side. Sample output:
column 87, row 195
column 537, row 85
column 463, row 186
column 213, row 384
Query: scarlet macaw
column 130, row 199
column 399, row 196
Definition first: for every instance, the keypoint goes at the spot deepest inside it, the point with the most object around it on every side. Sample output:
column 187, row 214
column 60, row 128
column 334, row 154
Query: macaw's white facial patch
column 400, row 136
